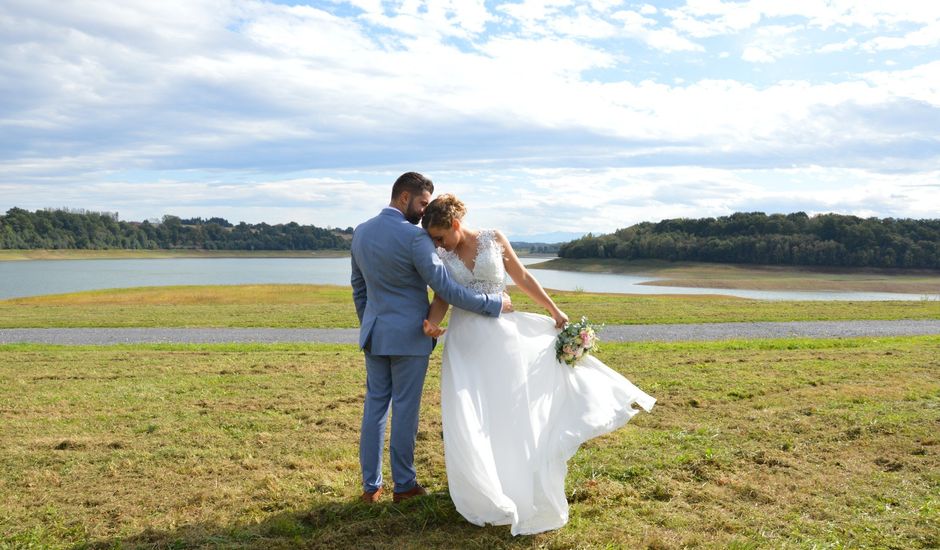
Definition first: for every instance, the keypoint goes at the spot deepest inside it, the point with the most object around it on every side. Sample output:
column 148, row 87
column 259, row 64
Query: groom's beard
column 413, row 215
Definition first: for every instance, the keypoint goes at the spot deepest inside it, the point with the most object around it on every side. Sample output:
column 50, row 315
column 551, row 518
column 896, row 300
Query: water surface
column 38, row 277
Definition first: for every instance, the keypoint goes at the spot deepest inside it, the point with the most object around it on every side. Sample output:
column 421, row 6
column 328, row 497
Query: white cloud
column 604, row 6
column 772, row 42
column 849, row 44
column 631, row 195
column 642, row 28
column 921, row 83
column 583, row 26
column 926, row 36
column 754, row 54
column 530, row 14
column 708, row 18
column 597, row 20
column 460, row 18
column 668, row 40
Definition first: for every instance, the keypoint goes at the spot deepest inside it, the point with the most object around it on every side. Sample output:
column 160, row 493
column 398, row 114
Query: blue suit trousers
column 392, row 382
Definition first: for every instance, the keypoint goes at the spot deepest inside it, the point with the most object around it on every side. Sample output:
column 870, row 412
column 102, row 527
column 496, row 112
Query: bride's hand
column 560, row 318
column 432, row 330
column 507, row 304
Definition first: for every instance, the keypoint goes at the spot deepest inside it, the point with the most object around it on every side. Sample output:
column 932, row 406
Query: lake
column 38, row 277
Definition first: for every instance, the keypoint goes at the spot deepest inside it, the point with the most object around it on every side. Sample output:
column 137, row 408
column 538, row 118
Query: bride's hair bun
column 443, row 211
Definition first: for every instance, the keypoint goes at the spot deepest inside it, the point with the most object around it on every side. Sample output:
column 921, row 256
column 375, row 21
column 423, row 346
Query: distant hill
column 80, row 229
column 782, row 239
column 523, row 247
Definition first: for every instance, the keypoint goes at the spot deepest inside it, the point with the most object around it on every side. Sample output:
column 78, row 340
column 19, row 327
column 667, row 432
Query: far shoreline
column 13, row 255
column 758, row 277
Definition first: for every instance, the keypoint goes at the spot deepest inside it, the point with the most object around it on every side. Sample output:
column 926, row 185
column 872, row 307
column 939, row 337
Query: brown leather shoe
column 373, row 497
column 415, row 491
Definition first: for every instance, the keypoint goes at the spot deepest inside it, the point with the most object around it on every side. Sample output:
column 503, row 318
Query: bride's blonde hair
column 443, row 211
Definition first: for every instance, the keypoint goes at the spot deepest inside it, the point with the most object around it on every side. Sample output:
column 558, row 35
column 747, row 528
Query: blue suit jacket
column 393, row 263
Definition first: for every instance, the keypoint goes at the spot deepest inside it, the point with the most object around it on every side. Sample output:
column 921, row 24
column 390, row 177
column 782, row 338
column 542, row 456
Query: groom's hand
column 433, row 330
column 507, row 303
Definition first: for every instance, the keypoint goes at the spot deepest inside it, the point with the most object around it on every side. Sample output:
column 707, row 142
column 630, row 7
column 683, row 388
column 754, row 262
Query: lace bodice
column 489, row 274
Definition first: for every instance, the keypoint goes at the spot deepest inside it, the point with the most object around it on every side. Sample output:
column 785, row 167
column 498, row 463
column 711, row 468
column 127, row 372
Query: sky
column 549, row 118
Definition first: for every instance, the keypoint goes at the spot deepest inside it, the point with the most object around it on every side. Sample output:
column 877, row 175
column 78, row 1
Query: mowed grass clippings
column 325, row 306
column 775, row 443
column 104, row 444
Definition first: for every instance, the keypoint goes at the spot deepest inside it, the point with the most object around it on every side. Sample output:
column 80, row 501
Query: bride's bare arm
column 525, row 281
column 436, row 313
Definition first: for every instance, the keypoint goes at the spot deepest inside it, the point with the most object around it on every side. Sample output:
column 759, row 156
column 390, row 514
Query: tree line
column 65, row 228
column 775, row 239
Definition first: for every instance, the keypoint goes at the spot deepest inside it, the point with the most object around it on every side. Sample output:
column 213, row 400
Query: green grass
column 777, row 443
column 187, row 306
column 760, row 277
column 322, row 306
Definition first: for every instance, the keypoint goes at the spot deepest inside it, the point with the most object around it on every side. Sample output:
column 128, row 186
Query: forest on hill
column 80, row 229
column 777, row 239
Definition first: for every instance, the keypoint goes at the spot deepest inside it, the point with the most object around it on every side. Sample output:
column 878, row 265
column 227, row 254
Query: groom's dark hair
column 412, row 182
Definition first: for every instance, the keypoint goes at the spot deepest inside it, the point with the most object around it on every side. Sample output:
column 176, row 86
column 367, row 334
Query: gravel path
column 613, row 333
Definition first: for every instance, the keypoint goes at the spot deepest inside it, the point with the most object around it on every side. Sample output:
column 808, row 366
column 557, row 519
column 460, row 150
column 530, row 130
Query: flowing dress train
column 512, row 413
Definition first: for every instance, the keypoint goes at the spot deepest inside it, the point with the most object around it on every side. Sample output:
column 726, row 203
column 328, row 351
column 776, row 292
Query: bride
column 512, row 413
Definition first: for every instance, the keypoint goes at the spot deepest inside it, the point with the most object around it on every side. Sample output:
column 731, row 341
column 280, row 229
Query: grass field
column 783, row 444
column 18, row 255
column 304, row 306
column 751, row 277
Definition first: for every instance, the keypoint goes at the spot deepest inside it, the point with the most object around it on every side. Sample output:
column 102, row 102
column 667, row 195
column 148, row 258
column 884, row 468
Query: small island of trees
column 776, row 239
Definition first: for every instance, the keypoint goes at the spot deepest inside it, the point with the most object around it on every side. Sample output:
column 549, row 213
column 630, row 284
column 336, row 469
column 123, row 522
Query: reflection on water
column 37, row 277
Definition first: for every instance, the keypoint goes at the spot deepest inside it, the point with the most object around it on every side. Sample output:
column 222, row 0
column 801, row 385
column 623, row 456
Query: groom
column 393, row 263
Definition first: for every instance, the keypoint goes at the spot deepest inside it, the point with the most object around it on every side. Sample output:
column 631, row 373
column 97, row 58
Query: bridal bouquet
column 576, row 340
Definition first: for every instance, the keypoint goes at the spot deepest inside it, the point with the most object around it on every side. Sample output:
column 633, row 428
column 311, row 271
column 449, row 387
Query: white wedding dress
column 512, row 414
